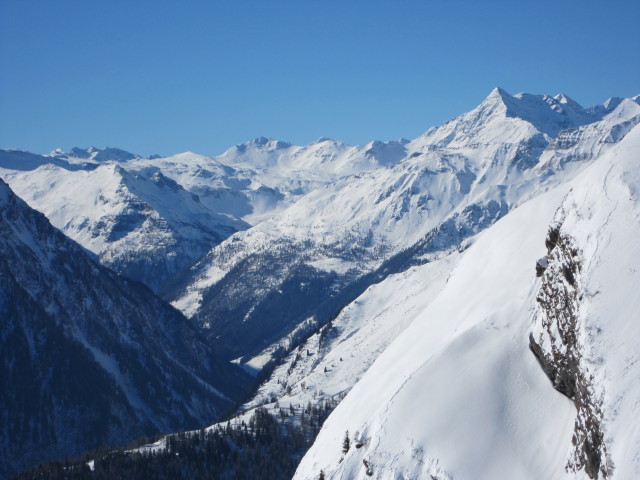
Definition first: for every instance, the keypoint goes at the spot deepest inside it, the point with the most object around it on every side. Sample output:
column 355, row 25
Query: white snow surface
column 458, row 394
column 602, row 217
column 124, row 218
column 74, row 200
column 256, row 179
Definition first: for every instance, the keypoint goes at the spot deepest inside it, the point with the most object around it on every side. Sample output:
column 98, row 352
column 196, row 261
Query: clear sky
column 168, row 76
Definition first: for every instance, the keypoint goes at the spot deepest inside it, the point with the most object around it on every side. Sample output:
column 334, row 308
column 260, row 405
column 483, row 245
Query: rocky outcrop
column 558, row 342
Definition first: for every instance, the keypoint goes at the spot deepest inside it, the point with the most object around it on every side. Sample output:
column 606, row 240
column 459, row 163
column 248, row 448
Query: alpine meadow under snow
column 467, row 299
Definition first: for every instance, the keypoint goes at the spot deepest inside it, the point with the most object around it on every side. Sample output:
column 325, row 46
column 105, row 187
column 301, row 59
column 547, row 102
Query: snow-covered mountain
column 458, row 394
column 150, row 218
column 148, row 229
column 404, row 274
column 462, row 391
column 318, row 255
column 256, row 179
column 90, row 358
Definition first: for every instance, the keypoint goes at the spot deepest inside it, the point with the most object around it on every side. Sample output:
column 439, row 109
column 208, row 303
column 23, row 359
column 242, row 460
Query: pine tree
column 346, row 443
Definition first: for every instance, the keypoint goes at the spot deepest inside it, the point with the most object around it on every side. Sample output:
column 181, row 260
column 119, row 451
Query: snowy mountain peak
column 264, row 142
column 189, row 157
column 260, row 141
column 57, row 152
column 110, row 153
column 497, row 93
column 612, row 103
column 93, row 153
column 324, row 139
column 497, row 101
column 85, row 153
column 564, row 99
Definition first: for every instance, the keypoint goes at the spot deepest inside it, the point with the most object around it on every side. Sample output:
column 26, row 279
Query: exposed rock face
column 558, row 344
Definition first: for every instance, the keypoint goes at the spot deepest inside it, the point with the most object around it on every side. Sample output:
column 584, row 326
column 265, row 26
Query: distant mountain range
column 402, row 272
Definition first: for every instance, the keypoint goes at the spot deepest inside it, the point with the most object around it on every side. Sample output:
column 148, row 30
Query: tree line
column 268, row 446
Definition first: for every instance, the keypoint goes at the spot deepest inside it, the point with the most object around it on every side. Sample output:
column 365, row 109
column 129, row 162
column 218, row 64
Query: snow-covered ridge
column 146, row 228
column 429, row 202
column 459, row 394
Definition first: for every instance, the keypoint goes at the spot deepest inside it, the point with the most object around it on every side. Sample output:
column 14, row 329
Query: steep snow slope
column 147, row 229
column 88, row 357
column 458, row 394
column 586, row 329
column 259, row 285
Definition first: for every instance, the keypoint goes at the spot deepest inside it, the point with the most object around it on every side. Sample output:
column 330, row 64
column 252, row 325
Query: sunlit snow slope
column 459, row 394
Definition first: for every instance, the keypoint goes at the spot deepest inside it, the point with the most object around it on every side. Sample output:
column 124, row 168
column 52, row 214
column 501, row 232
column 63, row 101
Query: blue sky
column 169, row 76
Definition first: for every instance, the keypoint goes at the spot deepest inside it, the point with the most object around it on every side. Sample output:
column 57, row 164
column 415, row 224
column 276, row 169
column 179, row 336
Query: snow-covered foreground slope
column 586, row 330
column 459, row 394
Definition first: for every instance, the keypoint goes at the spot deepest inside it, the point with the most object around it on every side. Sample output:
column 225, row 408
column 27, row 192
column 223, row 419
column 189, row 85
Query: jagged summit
column 564, row 99
column 263, row 142
column 83, row 153
column 323, row 139
column 503, row 119
column 96, row 154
